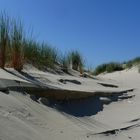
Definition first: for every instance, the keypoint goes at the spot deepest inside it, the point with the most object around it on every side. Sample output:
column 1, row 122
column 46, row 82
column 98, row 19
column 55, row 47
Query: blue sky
column 102, row 30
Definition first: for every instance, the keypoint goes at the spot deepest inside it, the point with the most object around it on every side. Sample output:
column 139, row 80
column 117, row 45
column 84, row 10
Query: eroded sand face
column 22, row 118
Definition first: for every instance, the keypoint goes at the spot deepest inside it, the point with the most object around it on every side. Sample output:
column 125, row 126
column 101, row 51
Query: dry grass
column 4, row 38
column 17, row 45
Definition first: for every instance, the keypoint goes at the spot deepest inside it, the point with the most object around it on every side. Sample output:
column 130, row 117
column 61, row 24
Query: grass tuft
column 76, row 59
column 17, row 45
column 4, row 38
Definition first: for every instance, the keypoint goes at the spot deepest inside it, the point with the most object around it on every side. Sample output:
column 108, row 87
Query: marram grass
column 16, row 49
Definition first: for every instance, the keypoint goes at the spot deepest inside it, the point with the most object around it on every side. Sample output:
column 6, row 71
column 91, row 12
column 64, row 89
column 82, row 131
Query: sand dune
column 107, row 109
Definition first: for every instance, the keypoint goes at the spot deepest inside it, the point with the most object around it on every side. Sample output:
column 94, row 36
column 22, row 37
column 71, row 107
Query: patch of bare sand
column 23, row 118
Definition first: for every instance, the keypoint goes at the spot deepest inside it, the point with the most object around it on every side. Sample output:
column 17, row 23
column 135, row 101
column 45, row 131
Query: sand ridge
column 25, row 116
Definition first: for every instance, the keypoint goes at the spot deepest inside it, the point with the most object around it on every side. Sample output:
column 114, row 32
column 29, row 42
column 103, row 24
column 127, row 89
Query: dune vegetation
column 114, row 66
column 17, row 48
column 131, row 63
column 76, row 61
column 108, row 67
column 4, row 38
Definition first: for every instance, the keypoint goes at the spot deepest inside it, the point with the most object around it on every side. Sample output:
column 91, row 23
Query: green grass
column 114, row 66
column 109, row 67
column 17, row 48
column 17, row 45
column 40, row 54
column 65, row 63
column 11, row 42
column 132, row 62
column 4, row 38
column 77, row 61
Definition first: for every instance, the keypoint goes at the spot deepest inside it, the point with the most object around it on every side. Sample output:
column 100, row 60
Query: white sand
column 21, row 118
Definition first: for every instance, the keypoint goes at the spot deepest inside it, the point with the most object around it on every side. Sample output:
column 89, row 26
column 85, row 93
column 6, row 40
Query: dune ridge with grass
column 45, row 94
column 40, row 105
column 18, row 48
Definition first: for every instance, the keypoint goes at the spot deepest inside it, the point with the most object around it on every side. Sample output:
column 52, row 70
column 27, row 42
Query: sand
column 26, row 117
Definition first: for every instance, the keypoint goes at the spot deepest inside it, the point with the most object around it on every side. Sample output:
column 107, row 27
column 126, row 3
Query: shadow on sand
column 27, row 77
column 78, row 108
column 84, row 107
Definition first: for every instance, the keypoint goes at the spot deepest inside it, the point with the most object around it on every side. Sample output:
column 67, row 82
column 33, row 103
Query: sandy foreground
column 109, row 107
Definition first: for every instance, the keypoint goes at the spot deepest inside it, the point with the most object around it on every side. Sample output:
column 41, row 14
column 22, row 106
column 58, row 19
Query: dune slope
column 104, row 116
